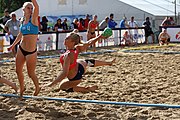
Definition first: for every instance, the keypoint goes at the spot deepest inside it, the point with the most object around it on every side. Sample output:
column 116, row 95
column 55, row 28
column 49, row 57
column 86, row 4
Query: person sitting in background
column 104, row 23
column 64, row 24
column 44, row 24
column 164, row 37
column 127, row 39
column 58, row 25
column 75, row 24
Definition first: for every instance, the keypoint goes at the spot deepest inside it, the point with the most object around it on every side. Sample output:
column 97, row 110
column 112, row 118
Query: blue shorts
column 79, row 73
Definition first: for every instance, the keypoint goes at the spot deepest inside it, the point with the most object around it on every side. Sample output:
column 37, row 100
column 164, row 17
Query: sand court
column 151, row 78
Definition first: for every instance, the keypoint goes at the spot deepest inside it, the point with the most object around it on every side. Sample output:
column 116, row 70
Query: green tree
column 11, row 5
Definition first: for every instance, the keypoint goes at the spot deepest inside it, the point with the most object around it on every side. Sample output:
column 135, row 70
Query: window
column 82, row 2
column 62, row 2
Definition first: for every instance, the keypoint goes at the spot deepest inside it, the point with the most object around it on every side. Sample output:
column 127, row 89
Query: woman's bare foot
column 92, row 88
column 21, row 93
column 37, row 91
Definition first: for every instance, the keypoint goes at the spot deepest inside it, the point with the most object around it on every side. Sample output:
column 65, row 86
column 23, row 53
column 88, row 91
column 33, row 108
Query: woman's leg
column 31, row 65
column 20, row 60
column 67, row 85
column 99, row 62
column 7, row 82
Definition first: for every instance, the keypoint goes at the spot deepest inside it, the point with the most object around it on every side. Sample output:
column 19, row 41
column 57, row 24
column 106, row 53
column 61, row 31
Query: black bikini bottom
column 25, row 53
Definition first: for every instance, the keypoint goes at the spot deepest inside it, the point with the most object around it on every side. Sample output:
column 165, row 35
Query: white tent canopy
column 140, row 9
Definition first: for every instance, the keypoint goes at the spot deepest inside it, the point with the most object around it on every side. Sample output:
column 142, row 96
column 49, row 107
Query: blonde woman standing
column 27, row 52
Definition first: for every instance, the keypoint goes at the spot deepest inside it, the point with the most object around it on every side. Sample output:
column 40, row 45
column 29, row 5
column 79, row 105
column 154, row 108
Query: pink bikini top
column 75, row 58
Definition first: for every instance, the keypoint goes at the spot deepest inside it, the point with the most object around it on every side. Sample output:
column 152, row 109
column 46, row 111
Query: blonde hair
column 76, row 38
column 26, row 4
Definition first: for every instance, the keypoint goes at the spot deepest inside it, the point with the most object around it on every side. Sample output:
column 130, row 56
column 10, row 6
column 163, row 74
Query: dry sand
column 136, row 77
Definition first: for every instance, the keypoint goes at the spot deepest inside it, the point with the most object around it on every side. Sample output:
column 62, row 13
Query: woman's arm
column 35, row 13
column 62, row 74
column 18, row 38
column 84, row 46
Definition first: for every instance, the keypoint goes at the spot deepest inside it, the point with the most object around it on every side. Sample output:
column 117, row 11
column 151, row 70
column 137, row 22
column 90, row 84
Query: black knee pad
column 90, row 62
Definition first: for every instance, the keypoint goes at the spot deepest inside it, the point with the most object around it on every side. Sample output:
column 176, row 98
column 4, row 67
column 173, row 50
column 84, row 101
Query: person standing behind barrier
column 148, row 30
column 44, row 24
column 80, row 25
column 111, row 23
column 166, row 22
column 133, row 32
column 104, row 23
column 12, row 28
column 74, row 68
column 91, row 31
column 86, row 22
column 164, row 37
column 27, row 52
column 4, row 19
column 123, row 23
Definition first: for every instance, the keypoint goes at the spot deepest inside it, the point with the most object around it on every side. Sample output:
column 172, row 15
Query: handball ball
column 107, row 32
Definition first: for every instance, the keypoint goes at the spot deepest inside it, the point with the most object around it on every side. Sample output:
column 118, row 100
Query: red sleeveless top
column 75, row 58
column 94, row 25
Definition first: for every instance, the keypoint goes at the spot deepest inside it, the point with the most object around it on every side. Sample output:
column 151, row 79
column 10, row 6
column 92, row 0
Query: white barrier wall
column 174, row 34
column 48, row 41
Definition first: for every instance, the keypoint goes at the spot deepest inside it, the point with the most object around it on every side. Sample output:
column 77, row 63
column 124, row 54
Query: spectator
column 93, row 24
column 171, row 20
column 132, row 23
column 5, row 18
column 44, row 24
column 86, row 22
column 64, row 24
column 166, row 22
column 164, row 37
column 123, row 23
column 80, row 25
column 128, row 39
column 12, row 28
column 148, row 30
column 75, row 23
column 58, row 25
column 111, row 22
column 104, row 23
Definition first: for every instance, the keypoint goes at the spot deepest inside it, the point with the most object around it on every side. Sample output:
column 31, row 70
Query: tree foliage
column 11, row 5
